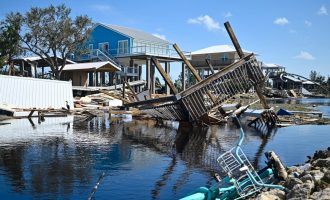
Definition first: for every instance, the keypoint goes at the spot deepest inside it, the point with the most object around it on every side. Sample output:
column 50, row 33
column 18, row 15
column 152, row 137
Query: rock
column 322, row 195
column 317, row 174
column 300, row 191
column 326, row 177
column 307, row 177
column 322, row 162
column 291, row 182
column 305, row 167
column 321, row 154
column 272, row 195
column 294, row 169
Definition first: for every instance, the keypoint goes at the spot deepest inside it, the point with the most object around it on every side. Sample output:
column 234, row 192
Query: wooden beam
column 192, row 69
column 210, row 65
column 183, row 76
column 148, row 73
column 241, row 55
column 164, row 75
column 131, row 89
column 186, row 61
column 124, row 89
column 167, row 70
column 234, row 40
column 114, row 96
column 151, row 101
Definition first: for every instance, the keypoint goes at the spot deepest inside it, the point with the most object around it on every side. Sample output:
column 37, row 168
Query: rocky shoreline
column 310, row 181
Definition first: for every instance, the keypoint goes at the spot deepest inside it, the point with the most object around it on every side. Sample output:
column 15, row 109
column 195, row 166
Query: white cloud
column 227, row 14
column 304, row 55
column 206, row 21
column 102, row 7
column 322, row 11
column 308, row 23
column 159, row 36
column 281, row 21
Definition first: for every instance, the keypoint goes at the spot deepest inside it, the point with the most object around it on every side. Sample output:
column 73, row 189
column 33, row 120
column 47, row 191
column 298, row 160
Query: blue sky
column 292, row 33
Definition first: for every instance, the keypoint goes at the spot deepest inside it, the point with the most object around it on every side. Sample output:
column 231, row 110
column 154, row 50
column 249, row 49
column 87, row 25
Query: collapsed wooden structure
column 209, row 94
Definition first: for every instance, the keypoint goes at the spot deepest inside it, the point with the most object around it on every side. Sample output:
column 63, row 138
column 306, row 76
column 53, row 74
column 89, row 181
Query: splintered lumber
column 200, row 99
column 241, row 55
column 194, row 102
column 131, row 89
column 294, row 93
column 164, row 75
column 114, row 96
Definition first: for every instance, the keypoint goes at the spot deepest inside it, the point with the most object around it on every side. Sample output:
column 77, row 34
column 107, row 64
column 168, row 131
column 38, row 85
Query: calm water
column 62, row 158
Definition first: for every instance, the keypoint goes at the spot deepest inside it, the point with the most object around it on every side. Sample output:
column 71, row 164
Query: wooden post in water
column 241, row 55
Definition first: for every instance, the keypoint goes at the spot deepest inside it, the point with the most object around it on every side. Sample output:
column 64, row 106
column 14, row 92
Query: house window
column 104, row 47
column 224, row 58
column 123, row 47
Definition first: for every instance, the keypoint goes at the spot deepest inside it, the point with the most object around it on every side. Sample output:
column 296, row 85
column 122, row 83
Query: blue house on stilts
column 131, row 50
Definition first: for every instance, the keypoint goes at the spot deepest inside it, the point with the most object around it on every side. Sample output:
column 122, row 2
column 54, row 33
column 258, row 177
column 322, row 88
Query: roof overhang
column 40, row 62
column 92, row 66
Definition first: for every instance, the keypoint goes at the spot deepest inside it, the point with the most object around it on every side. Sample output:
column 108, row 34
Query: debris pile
column 308, row 181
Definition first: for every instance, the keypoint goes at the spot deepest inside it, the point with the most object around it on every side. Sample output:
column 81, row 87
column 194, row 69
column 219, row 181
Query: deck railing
column 113, row 54
column 193, row 103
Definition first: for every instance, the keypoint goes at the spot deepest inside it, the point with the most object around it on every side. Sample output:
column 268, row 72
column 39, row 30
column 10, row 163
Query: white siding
column 22, row 92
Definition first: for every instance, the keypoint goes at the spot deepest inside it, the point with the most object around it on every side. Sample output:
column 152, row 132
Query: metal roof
column 217, row 49
column 135, row 34
column 92, row 66
column 271, row 65
column 23, row 92
column 38, row 58
column 293, row 79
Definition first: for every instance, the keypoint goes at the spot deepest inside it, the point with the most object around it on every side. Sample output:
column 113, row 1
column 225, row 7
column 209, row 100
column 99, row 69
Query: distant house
column 272, row 70
column 279, row 79
column 219, row 56
column 130, row 49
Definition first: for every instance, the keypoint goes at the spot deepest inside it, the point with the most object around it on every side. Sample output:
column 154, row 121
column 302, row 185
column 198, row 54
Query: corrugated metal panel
column 22, row 92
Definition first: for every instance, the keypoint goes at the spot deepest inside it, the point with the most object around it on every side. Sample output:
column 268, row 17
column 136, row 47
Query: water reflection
column 63, row 157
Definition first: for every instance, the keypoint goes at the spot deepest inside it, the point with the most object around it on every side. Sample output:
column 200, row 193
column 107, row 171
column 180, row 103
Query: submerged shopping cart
column 242, row 179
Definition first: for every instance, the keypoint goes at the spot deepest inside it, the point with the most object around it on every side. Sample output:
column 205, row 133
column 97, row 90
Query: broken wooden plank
column 114, row 96
column 133, row 92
